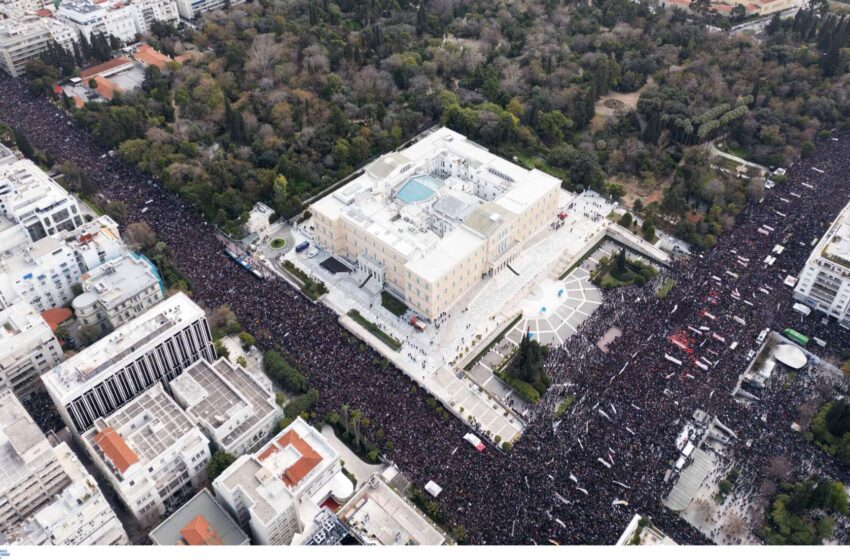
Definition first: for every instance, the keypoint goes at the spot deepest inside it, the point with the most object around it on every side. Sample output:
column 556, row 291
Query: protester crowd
column 577, row 479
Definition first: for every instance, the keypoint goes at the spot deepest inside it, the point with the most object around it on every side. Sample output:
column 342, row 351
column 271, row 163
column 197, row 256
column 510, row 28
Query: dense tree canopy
column 287, row 97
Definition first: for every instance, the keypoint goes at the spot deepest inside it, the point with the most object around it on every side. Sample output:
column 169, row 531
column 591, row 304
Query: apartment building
column 153, row 348
column 199, row 522
column 824, row 281
column 117, row 292
column 279, row 489
column 30, row 198
column 235, row 408
column 190, row 9
column 151, row 453
column 28, row 348
column 30, row 471
column 24, row 37
column 79, row 515
column 43, row 275
column 124, row 19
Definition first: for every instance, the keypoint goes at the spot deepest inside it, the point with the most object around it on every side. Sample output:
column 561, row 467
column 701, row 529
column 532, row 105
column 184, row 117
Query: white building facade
column 150, row 452
column 28, row 348
column 30, row 198
column 117, row 291
column 79, row 515
column 824, row 281
column 430, row 221
column 190, row 9
column 43, row 275
column 152, row 348
column 24, row 37
column 276, row 490
column 122, row 19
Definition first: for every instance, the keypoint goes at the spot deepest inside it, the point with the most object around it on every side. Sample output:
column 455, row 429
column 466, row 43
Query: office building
column 199, row 522
column 824, row 281
column 117, row 292
column 376, row 515
column 235, row 409
column 150, row 452
column 155, row 346
column 283, row 485
column 30, row 471
column 28, row 348
column 79, row 515
column 430, row 221
column 43, row 275
column 30, row 198
column 24, row 37
column 190, row 9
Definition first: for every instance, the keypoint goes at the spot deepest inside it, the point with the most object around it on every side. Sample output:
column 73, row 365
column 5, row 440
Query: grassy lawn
column 636, row 272
column 278, row 243
column 393, row 304
column 310, row 288
column 565, row 406
column 665, row 288
column 374, row 330
column 495, row 341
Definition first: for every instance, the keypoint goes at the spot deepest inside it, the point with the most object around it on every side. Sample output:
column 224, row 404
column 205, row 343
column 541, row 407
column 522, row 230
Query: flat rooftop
column 380, row 516
column 216, row 393
column 445, row 178
column 118, row 279
column 200, row 521
column 140, row 431
column 80, row 369
column 835, row 244
column 21, row 440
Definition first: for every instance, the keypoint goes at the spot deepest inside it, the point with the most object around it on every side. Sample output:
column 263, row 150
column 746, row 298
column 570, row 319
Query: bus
column 799, row 338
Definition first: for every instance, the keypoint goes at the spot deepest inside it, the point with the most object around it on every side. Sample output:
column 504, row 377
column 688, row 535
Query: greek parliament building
column 157, row 345
column 430, row 221
column 825, row 280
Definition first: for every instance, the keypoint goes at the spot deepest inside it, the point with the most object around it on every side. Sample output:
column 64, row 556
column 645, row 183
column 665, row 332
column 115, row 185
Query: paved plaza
column 431, row 357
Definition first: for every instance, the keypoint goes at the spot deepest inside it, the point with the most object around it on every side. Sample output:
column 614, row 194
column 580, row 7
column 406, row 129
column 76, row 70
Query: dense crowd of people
column 577, row 479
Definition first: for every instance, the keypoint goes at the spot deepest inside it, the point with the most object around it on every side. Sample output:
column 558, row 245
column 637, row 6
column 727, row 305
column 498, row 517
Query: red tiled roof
column 44, row 12
column 116, row 449
column 148, row 55
column 267, row 452
column 87, row 73
column 105, row 87
column 302, row 467
column 198, row 532
column 56, row 316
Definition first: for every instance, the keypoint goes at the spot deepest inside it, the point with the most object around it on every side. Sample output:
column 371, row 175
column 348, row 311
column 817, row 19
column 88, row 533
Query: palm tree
column 344, row 410
column 356, row 415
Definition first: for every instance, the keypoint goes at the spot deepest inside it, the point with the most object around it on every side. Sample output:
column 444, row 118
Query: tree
column 621, row 261
column 140, row 236
column 23, row 144
column 279, row 370
column 527, row 364
column 218, row 464
column 626, row 220
column 234, row 122
column 738, row 13
column 247, row 340
column 421, row 17
column 648, row 230
column 117, row 210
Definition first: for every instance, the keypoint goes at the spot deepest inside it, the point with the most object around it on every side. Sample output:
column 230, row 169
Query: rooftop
column 140, row 431
column 104, row 68
column 201, row 521
column 113, row 350
column 117, row 280
column 380, row 516
column 18, row 318
column 21, row 440
column 414, row 200
column 835, row 245
column 222, row 395
column 148, row 56
column 295, row 454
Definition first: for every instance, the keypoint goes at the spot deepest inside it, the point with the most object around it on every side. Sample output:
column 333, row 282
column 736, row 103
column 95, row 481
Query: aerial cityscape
column 424, row 272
